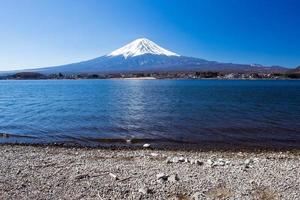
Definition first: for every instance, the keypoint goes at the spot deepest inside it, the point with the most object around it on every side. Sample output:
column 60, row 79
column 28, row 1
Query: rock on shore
column 29, row 172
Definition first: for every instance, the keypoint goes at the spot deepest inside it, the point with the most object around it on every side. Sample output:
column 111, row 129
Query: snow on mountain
column 140, row 47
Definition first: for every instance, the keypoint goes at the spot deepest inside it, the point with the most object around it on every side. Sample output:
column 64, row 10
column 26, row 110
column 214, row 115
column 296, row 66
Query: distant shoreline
column 138, row 78
column 154, row 75
column 152, row 78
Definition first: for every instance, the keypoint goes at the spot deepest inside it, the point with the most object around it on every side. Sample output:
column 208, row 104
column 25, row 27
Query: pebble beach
column 49, row 172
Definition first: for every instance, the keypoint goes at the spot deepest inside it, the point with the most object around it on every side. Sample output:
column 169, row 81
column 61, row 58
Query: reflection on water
column 264, row 113
column 133, row 108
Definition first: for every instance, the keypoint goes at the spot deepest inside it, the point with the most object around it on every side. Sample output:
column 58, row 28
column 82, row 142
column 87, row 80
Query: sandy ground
column 28, row 172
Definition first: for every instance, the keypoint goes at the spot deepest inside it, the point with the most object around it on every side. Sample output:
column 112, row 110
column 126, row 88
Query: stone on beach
column 128, row 141
column 217, row 162
column 146, row 145
column 248, row 163
column 184, row 160
column 173, row 178
column 196, row 161
column 154, row 154
column 81, row 176
column 144, row 190
column 175, row 160
column 196, row 196
column 162, row 176
column 115, row 177
column 210, row 162
column 181, row 159
column 169, row 160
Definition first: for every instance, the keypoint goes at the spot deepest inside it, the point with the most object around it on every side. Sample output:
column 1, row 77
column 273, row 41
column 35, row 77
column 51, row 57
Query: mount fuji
column 143, row 55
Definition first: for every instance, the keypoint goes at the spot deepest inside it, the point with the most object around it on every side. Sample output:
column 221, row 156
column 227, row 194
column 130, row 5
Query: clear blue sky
column 38, row 33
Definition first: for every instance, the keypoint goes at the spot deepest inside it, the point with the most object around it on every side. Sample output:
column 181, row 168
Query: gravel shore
column 29, row 172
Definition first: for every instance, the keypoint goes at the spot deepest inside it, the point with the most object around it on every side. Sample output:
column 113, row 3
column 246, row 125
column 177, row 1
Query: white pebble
column 146, row 145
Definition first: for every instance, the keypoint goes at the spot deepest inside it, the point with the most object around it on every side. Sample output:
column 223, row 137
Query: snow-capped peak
column 139, row 47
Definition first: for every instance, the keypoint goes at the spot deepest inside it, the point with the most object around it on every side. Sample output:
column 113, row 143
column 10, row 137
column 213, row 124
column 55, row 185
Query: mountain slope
column 146, row 62
column 143, row 55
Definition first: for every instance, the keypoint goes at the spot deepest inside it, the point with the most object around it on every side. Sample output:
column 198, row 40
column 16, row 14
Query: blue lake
column 262, row 113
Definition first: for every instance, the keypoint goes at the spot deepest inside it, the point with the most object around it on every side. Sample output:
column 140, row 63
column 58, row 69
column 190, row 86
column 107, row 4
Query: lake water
column 198, row 113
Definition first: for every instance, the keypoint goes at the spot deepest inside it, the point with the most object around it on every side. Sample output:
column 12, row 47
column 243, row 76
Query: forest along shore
column 79, row 173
